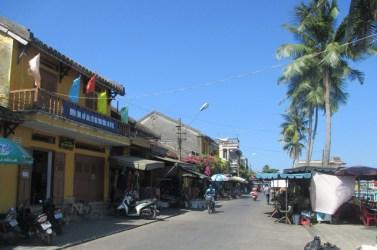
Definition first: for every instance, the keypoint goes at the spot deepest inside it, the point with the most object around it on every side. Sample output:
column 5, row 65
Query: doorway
column 41, row 181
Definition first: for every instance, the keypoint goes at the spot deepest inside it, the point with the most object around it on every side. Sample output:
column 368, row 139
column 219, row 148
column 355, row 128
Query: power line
column 229, row 78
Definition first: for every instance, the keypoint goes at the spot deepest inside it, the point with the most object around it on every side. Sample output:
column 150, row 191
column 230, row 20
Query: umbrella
column 219, row 177
column 237, row 179
column 12, row 153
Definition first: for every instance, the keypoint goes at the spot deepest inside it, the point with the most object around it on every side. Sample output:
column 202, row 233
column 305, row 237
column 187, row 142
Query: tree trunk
column 326, row 151
column 310, row 132
column 314, row 131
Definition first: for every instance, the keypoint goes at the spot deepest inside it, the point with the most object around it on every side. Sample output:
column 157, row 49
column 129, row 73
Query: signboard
column 76, row 113
column 66, row 143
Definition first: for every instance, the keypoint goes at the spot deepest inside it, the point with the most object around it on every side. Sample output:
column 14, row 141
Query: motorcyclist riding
column 210, row 198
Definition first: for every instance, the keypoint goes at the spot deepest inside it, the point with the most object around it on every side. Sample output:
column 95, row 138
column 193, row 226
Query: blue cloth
column 124, row 114
column 210, row 192
column 74, row 92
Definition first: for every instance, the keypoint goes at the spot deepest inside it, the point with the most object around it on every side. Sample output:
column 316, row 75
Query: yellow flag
column 102, row 103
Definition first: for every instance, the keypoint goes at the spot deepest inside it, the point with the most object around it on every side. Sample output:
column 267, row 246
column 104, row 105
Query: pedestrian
column 266, row 191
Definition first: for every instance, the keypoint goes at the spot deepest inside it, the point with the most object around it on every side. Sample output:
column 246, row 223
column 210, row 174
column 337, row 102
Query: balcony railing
column 42, row 100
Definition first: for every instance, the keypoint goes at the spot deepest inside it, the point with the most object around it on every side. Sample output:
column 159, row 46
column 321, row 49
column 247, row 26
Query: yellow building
column 70, row 142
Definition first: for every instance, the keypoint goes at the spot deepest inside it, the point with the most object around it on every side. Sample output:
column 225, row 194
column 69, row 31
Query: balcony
column 41, row 100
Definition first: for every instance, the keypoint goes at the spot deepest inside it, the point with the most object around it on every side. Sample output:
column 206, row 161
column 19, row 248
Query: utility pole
column 179, row 137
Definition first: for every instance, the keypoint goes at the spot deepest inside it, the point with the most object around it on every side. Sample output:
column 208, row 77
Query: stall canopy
column 12, row 153
column 277, row 176
column 359, row 172
column 237, row 179
column 136, row 163
column 219, row 177
column 296, row 176
column 267, row 176
column 194, row 174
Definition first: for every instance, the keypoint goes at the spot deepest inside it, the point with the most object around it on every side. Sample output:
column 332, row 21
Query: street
column 237, row 224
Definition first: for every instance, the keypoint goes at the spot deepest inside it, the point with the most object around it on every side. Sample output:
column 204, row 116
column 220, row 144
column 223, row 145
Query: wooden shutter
column 59, row 172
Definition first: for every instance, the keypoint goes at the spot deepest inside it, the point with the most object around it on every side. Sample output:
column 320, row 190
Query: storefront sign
column 66, row 143
column 76, row 113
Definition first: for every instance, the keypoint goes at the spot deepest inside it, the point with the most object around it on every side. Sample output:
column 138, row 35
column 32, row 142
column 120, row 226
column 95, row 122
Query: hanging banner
column 6, row 46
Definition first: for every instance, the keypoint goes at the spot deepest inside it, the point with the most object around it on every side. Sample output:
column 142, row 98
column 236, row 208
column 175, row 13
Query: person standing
column 266, row 191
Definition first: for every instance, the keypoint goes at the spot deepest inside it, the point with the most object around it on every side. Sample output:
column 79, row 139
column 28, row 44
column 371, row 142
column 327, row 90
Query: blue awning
column 296, row 176
column 267, row 176
column 277, row 176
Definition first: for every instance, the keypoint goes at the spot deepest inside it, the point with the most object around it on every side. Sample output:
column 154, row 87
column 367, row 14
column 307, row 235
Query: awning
column 359, row 172
column 296, row 176
column 277, row 176
column 168, row 159
column 12, row 153
column 136, row 163
column 194, row 174
column 237, row 179
column 267, row 176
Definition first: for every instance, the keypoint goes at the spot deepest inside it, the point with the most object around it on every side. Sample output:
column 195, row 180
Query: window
column 49, row 81
column 225, row 154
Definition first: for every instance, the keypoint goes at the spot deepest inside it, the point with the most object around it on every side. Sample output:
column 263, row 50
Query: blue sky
column 154, row 47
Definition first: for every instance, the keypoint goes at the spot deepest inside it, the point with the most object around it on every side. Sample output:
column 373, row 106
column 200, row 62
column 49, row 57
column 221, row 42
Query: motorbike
column 9, row 229
column 254, row 194
column 54, row 215
column 144, row 208
column 35, row 225
column 210, row 203
column 315, row 244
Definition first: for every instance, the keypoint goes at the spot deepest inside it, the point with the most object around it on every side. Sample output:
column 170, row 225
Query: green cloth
column 102, row 103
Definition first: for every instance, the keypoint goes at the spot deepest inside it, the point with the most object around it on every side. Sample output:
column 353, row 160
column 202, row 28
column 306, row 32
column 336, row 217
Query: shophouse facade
column 172, row 133
column 69, row 141
column 229, row 150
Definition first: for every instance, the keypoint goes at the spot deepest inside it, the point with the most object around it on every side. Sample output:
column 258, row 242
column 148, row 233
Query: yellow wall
column 8, row 187
column 10, row 174
column 20, row 79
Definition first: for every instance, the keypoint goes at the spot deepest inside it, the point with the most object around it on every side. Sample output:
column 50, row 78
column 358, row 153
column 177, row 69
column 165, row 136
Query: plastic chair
column 286, row 215
column 368, row 217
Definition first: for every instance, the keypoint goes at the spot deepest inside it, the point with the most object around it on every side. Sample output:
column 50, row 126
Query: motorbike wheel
column 58, row 228
column 150, row 216
column 46, row 238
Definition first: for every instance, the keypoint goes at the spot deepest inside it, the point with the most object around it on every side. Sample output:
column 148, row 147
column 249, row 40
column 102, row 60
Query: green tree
column 322, row 47
column 268, row 169
column 293, row 129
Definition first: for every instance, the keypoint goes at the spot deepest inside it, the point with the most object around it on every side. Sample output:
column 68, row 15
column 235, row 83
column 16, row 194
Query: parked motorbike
column 9, row 229
column 54, row 215
column 145, row 208
column 210, row 203
column 35, row 225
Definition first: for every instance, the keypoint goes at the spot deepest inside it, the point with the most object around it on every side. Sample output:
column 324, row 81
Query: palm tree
column 293, row 129
column 362, row 24
column 322, row 48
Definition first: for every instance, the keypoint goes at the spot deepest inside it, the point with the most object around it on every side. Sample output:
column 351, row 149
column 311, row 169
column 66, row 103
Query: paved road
column 238, row 224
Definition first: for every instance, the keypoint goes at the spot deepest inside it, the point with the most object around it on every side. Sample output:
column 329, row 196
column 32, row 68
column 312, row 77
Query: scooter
column 210, row 203
column 145, row 208
column 9, row 229
column 254, row 194
column 35, row 225
column 54, row 215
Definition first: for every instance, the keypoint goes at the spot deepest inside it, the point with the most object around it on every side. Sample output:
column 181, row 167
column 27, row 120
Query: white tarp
column 329, row 192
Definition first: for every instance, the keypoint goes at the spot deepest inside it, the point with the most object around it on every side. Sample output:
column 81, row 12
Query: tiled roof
column 26, row 35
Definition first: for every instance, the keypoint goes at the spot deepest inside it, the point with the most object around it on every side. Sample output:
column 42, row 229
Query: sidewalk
column 86, row 230
column 345, row 236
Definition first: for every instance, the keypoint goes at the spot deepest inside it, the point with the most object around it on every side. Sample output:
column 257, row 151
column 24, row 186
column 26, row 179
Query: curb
column 114, row 232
